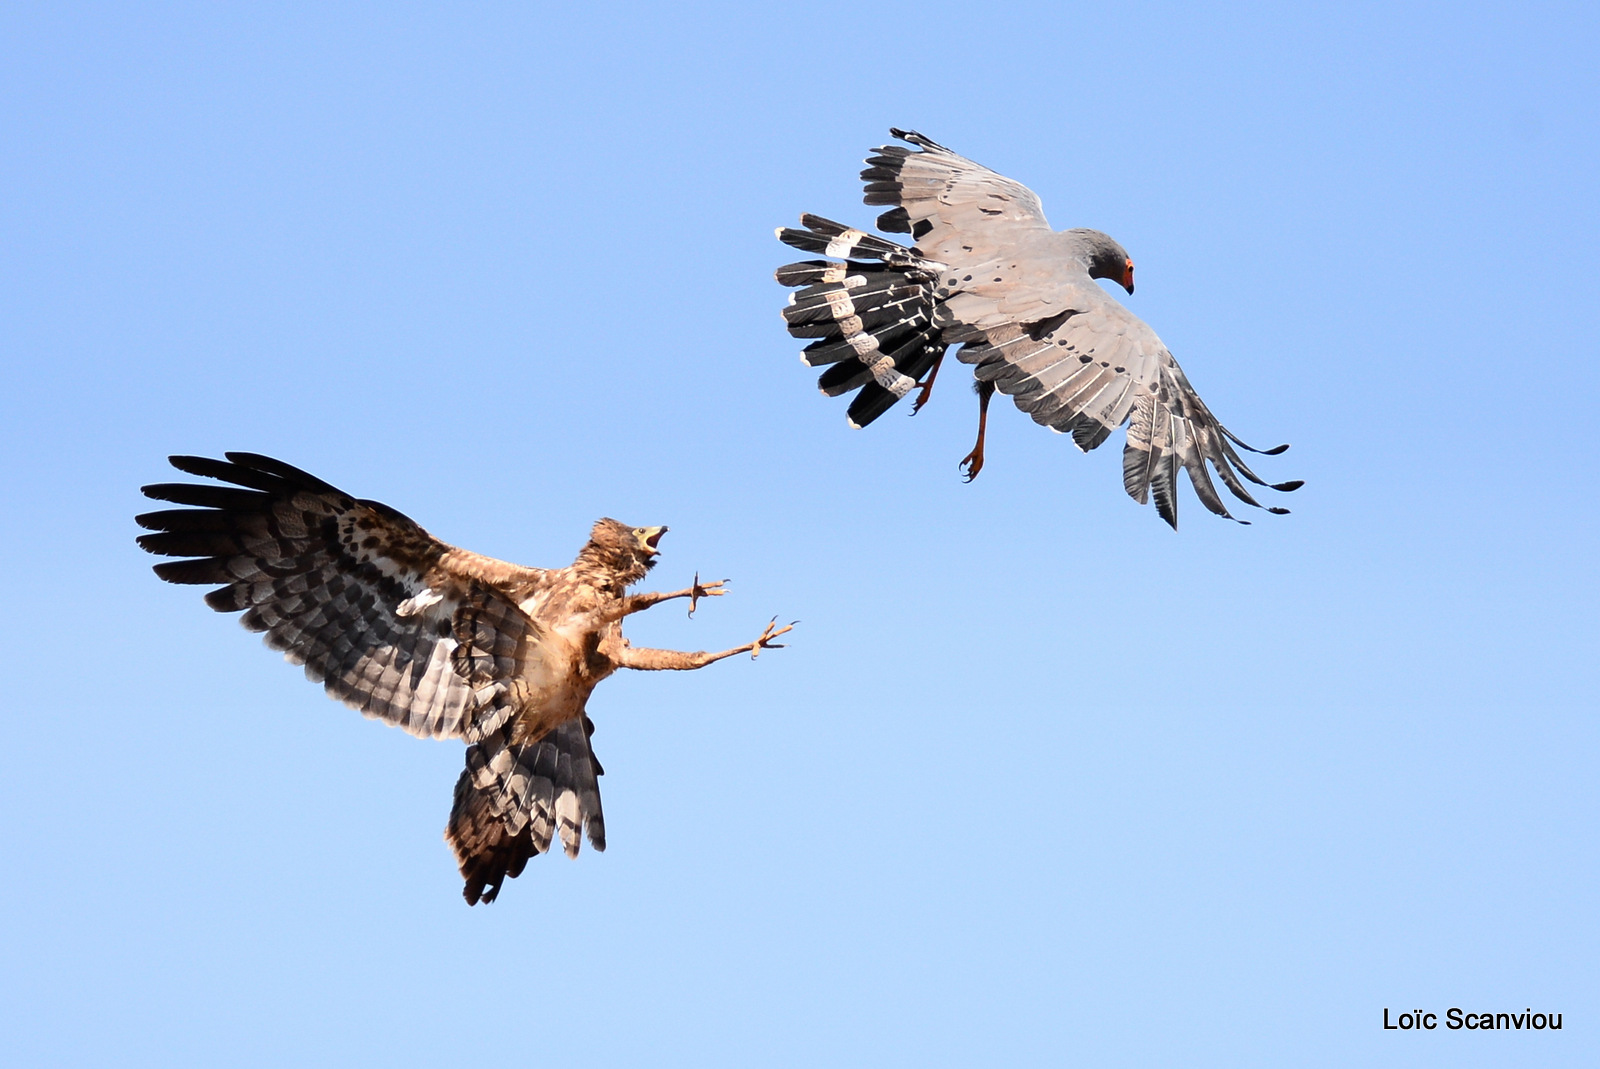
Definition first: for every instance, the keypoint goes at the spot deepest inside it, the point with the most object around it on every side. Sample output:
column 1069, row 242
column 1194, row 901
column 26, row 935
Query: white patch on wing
column 427, row 599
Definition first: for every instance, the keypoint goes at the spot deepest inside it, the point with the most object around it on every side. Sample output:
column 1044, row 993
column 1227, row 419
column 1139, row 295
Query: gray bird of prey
column 987, row 273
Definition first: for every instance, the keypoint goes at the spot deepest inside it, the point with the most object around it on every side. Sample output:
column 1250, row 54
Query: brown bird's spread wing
column 353, row 590
column 400, row 626
column 944, row 200
column 1087, row 370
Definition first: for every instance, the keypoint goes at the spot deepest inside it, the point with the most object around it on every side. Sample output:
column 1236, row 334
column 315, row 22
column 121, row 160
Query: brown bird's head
column 626, row 552
column 1105, row 258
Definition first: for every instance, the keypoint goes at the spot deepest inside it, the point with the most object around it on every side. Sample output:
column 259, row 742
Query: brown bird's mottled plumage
column 438, row 641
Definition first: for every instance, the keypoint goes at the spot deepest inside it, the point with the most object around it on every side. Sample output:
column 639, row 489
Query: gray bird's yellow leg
column 973, row 461
column 927, row 386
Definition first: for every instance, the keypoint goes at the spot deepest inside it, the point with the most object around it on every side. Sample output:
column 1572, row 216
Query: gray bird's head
column 1104, row 257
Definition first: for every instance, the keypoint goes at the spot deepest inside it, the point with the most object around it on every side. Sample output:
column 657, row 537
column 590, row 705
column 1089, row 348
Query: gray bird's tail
column 872, row 314
column 514, row 798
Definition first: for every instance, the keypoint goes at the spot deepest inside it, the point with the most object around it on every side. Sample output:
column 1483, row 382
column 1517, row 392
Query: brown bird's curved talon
column 708, row 590
column 972, row 463
column 771, row 632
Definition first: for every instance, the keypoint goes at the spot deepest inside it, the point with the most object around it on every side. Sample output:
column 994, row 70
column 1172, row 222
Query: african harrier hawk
column 433, row 639
column 988, row 273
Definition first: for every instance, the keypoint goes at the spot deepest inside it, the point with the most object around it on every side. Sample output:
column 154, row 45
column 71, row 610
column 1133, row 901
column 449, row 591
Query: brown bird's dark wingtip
column 186, row 463
column 1291, row 485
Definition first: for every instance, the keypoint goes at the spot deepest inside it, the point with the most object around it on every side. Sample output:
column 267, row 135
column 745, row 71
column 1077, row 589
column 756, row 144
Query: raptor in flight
column 989, row 274
column 436, row 640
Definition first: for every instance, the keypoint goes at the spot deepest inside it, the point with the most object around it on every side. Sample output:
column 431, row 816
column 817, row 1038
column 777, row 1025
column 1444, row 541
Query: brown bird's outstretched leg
column 770, row 632
column 649, row 660
column 927, row 386
column 973, row 461
column 639, row 602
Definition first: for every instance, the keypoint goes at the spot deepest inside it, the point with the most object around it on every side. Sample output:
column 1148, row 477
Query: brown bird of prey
column 989, row 274
column 440, row 642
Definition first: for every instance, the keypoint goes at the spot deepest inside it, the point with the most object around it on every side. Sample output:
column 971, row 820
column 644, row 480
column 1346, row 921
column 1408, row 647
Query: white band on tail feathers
column 843, row 245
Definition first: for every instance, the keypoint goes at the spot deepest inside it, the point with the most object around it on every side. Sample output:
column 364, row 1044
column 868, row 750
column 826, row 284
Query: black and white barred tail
column 514, row 798
column 872, row 315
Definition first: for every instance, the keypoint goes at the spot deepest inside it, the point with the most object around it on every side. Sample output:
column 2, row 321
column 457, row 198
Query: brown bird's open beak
column 1127, row 277
column 650, row 539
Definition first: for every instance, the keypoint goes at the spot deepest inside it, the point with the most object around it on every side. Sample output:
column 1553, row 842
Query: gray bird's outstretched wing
column 1088, row 370
column 956, row 211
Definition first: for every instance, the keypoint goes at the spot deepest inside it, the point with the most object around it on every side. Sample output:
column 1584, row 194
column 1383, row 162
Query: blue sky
column 1039, row 781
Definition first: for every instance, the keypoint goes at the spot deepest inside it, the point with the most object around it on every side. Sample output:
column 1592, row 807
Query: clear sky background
column 1039, row 782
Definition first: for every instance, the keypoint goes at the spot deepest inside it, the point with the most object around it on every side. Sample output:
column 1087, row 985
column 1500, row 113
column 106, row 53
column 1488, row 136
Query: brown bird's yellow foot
column 972, row 463
column 765, row 641
column 707, row 590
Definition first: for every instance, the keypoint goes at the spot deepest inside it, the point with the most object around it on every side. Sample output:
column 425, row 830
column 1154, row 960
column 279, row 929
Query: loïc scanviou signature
column 1455, row 1018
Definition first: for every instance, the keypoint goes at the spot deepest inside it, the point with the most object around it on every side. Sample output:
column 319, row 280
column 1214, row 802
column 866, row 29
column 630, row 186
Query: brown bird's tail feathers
column 873, row 320
column 514, row 798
